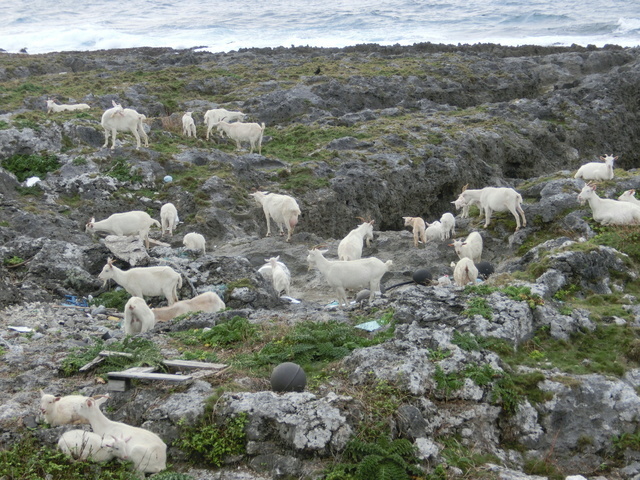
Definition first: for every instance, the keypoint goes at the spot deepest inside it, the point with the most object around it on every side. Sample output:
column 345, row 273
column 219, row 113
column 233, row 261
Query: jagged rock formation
column 409, row 127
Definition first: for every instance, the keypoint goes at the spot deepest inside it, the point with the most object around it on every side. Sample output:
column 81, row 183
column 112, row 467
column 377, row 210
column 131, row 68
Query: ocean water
column 41, row 26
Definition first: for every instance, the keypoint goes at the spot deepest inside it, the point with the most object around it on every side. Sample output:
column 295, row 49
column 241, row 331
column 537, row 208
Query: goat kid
column 418, row 227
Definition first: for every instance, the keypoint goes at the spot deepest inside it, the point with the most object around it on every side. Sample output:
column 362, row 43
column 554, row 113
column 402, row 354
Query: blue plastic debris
column 75, row 301
column 369, row 326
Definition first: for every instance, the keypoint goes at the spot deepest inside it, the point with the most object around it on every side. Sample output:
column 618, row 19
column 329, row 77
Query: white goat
column 121, row 119
column 597, row 170
column 266, row 270
column 63, row 410
column 608, row 211
column 195, row 241
column 138, row 317
column 85, row 445
column 280, row 276
column 146, row 449
column 365, row 272
column 168, row 218
column 466, row 199
column 448, row 222
column 282, row 208
column 418, row 226
column 54, row 107
column 502, row 199
column 465, row 272
column 244, row 132
column 188, row 125
column 140, row 281
column 135, row 222
column 350, row 247
column 471, row 247
column 434, row 231
column 629, row 196
column 208, row 302
column 215, row 116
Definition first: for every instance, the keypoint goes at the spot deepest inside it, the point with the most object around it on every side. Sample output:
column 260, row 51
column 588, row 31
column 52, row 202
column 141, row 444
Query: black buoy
column 288, row 377
column 422, row 276
column 484, row 269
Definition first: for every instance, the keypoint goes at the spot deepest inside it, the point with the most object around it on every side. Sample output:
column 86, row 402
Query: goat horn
column 465, row 187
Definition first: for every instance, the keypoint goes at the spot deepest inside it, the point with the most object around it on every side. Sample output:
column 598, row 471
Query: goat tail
column 156, row 223
column 388, row 263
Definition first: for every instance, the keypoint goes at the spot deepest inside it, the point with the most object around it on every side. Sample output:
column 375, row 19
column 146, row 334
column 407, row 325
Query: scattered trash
column 21, row 329
column 168, row 179
column 369, row 326
column 291, row 299
column 31, row 181
column 72, row 300
column 332, row 306
column 98, row 310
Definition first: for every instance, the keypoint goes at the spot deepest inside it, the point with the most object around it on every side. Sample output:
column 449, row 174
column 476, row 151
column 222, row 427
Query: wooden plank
column 118, row 385
column 109, row 353
column 194, row 364
column 91, row 364
column 164, row 377
column 139, row 370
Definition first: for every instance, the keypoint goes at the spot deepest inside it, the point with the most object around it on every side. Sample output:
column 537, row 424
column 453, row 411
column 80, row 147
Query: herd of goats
column 147, row 451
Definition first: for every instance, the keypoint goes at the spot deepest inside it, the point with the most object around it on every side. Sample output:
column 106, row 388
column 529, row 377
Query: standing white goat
column 499, row 199
column 168, row 218
column 597, row 170
column 121, row 119
column 215, row 116
column 283, row 209
column 434, row 232
column 195, row 241
column 140, row 281
column 244, row 132
column 419, row 227
column 448, row 222
column 350, row 247
column 364, row 272
column 471, row 247
column 280, row 275
column 465, row 272
column 608, row 211
column 138, row 317
column 55, row 107
column 466, row 199
column 188, row 125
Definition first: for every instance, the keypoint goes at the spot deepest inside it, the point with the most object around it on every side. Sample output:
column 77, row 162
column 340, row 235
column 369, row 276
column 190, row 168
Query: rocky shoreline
column 366, row 131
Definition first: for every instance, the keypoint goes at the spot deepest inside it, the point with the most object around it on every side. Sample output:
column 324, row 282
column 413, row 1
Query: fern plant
column 382, row 460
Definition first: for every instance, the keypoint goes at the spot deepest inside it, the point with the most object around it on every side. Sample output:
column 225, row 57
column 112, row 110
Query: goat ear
column 57, row 399
column 277, row 258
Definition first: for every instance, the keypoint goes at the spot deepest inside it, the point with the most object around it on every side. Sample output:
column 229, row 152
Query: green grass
column 27, row 459
column 141, row 352
column 297, row 143
column 609, row 350
column 25, row 166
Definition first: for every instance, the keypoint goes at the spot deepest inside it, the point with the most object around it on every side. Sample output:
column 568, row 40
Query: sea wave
column 57, row 26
